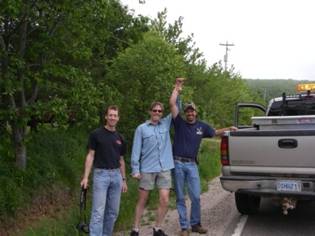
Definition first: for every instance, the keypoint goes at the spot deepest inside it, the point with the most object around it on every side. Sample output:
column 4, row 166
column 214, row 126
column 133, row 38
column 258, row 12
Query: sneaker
column 198, row 229
column 158, row 232
column 134, row 233
column 184, row 232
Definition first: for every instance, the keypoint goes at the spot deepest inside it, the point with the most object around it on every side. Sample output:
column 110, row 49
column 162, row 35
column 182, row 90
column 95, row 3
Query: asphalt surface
column 270, row 220
column 221, row 218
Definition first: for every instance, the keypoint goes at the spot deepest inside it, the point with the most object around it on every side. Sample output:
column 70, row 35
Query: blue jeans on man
column 186, row 173
column 107, row 186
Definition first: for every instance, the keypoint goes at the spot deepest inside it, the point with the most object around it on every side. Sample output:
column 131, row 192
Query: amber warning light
column 305, row 87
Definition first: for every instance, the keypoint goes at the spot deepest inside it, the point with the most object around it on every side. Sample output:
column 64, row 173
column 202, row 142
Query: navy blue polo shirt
column 188, row 137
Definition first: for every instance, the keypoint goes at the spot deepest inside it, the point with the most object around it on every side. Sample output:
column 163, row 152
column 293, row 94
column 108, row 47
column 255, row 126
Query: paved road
column 270, row 221
column 221, row 218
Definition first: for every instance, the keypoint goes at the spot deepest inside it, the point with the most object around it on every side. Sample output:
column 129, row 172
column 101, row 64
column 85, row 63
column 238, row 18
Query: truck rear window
column 294, row 107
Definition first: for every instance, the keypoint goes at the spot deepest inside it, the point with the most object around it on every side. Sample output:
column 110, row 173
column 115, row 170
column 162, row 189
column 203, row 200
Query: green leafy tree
column 173, row 34
column 143, row 73
column 216, row 92
column 53, row 57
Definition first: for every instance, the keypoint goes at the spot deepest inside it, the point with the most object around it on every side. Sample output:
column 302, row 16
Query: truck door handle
column 287, row 143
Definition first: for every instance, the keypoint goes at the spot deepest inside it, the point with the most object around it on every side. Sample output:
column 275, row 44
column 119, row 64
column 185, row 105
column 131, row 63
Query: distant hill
column 268, row 89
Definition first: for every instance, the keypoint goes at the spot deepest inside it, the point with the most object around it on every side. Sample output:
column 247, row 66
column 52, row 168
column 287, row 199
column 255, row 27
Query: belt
column 111, row 168
column 184, row 159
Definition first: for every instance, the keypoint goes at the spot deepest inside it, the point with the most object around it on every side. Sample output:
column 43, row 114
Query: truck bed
column 272, row 148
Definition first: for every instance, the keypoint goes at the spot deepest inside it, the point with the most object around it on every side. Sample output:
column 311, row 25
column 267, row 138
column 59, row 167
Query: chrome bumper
column 264, row 185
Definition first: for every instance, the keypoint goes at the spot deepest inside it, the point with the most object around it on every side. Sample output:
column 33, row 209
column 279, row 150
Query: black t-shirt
column 108, row 147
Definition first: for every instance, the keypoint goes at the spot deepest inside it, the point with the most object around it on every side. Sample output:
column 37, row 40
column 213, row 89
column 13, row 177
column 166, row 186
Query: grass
column 62, row 224
column 55, row 160
column 68, row 170
column 209, row 162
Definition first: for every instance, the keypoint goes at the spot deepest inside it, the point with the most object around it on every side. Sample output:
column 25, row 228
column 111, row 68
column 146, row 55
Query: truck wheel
column 247, row 204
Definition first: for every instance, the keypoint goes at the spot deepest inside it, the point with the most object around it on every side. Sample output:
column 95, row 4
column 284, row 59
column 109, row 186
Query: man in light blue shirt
column 151, row 162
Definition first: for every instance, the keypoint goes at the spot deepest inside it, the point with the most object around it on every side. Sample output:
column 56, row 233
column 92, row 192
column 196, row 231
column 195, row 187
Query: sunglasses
column 155, row 110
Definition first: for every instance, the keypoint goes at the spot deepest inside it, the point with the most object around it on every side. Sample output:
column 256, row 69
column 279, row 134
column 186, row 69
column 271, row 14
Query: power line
column 227, row 45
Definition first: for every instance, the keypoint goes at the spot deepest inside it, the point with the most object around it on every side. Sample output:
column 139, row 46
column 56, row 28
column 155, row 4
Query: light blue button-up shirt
column 152, row 148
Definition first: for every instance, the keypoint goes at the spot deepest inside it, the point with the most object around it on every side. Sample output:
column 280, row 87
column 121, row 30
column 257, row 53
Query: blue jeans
column 186, row 173
column 107, row 186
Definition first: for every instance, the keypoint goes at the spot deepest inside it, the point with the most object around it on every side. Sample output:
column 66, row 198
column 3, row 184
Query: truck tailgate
column 275, row 148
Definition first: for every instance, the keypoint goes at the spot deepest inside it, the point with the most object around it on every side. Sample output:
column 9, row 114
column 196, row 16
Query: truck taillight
column 225, row 151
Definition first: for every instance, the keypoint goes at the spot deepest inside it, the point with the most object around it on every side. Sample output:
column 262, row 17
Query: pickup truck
column 274, row 156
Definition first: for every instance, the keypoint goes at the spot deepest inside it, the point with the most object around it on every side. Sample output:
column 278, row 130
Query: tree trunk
column 19, row 146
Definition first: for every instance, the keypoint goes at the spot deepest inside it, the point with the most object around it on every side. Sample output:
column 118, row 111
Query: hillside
column 268, row 89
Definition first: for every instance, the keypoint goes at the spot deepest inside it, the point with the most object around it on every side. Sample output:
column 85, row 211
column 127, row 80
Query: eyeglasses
column 155, row 110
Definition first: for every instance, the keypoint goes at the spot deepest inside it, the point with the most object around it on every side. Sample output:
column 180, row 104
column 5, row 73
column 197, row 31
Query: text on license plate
column 289, row 186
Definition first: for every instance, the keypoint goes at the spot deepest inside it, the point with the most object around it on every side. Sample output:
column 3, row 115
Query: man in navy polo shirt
column 188, row 136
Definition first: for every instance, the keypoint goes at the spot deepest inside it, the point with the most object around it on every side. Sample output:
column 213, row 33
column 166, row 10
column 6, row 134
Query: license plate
column 289, row 186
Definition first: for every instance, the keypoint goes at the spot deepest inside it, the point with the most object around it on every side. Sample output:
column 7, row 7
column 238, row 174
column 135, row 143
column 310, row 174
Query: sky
column 273, row 39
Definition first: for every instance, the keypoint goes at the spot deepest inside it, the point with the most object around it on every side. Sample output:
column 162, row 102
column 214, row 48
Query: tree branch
column 22, row 19
column 56, row 23
column 34, row 94
column 13, row 104
column 22, row 49
column 2, row 43
column 4, row 57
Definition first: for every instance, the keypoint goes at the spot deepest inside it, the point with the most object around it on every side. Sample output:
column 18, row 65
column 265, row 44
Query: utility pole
column 227, row 45
column 265, row 94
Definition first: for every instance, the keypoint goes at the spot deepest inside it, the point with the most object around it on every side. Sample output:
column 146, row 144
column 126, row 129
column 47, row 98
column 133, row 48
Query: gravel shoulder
column 218, row 213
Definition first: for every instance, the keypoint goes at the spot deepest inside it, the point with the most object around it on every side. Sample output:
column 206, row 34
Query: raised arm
column 177, row 88
column 173, row 106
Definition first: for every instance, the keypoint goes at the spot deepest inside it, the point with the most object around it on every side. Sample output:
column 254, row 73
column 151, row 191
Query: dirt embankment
column 50, row 202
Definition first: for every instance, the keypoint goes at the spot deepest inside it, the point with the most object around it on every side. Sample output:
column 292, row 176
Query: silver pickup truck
column 274, row 156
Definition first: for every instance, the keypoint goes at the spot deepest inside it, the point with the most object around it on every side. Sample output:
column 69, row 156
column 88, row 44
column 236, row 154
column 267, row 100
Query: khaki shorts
column 160, row 179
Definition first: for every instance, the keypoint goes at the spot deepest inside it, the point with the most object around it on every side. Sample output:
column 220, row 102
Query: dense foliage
column 62, row 62
column 54, row 55
column 54, row 166
column 144, row 73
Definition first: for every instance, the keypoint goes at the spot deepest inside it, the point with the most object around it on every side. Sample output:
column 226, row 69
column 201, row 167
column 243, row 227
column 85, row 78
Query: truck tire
column 247, row 204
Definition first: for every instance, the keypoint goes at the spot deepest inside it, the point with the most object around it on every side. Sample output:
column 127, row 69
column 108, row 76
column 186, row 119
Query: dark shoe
column 198, row 229
column 184, row 232
column 134, row 233
column 159, row 233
